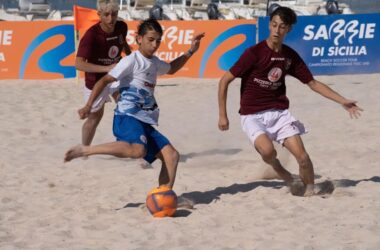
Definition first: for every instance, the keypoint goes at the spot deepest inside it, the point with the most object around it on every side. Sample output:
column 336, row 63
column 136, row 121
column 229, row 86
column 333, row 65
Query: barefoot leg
column 74, row 152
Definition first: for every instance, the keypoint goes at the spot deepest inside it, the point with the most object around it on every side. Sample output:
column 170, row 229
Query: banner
column 335, row 44
column 37, row 50
column 45, row 50
column 220, row 48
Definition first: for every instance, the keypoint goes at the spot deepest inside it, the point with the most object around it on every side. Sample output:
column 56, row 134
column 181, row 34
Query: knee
column 171, row 156
column 264, row 146
column 268, row 154
column 138, row 151
column 174, row 156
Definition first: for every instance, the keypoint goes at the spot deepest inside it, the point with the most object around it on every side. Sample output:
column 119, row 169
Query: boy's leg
column 159, row 147
column 90, row 125
column 170, row 158
column 295, row 146
column 265, row 148
column 119, row 149
column 97, row 111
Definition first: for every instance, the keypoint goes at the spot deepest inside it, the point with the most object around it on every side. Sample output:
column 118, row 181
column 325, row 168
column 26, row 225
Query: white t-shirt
column 138, row 76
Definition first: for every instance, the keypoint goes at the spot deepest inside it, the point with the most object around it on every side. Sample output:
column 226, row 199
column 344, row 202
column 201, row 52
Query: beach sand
column 98, row 203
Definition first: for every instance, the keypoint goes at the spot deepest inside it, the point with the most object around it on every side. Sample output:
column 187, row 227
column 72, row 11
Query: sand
column 98, row 203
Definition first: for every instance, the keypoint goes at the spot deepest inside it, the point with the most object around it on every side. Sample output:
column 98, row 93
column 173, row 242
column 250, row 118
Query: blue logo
column 50, row 61
column 226, row 60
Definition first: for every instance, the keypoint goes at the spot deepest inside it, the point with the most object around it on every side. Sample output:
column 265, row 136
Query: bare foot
column 309, row 190
column 74, row 152
column 296, row 187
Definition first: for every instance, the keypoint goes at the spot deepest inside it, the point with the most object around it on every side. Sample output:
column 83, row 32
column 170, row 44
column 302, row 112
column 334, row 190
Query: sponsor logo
column 174, row 35
column 267, row 84
column 50, row 61
column 274, row 74
column 340, row 29
column 149, row 85
column 143, row 139
column 111, row 38
column 343, row 34
column 277, row 59
column 228, row 58
column 113, row 51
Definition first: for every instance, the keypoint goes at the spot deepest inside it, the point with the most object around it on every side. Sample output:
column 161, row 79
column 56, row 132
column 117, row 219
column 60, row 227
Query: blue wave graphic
column 226, row 60
column 50, row 61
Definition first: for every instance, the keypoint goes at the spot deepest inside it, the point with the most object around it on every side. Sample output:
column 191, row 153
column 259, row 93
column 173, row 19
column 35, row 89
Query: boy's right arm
column 98, row 88
column 228, row 77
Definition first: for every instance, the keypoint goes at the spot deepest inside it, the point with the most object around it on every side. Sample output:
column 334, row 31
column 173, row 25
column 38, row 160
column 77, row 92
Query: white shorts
column 277, row 124
column 103, row 97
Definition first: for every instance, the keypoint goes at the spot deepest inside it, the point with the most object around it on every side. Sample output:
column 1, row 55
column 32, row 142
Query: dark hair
column 287, row 15
column 147, row 25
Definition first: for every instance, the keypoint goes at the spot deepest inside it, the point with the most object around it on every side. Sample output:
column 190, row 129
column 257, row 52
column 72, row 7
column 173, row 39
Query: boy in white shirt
column 137, row 109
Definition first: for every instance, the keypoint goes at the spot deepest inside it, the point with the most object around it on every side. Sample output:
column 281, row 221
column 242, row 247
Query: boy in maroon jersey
column 99, row 50
column 264, row 105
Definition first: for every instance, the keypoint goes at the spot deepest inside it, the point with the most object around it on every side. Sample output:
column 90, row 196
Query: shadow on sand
column 352, row 183
column 323, row 189
column 232, row 151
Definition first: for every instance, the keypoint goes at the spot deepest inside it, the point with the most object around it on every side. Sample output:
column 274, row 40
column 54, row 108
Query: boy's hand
column 351, row 107
column 195, row 42
column 84, row 112
column 223, row 123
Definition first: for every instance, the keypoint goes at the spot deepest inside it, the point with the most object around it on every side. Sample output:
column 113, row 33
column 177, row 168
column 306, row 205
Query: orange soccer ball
column 161, row 201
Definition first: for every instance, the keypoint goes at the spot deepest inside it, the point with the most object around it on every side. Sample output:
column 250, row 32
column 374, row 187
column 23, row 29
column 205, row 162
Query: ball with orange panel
column 161, row 202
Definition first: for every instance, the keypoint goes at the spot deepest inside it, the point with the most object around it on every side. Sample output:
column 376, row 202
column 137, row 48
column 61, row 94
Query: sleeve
column 162, row 67
column 86, row 44
column 299, row 69
column 123, row 68
column 123, row 29
column 244, row 64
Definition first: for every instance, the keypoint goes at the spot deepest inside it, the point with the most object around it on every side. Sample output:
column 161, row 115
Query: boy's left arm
column 178, row 63
column 329, row 93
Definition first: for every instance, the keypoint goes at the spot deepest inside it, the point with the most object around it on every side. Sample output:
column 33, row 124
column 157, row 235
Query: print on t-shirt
column 274, row 74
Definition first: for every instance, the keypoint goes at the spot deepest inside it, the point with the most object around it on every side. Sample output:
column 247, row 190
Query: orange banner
column 227, row 39
column 37, row 50
column 45, row 50
column 224, row 42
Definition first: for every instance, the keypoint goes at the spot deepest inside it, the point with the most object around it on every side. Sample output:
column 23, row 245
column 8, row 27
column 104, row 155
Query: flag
column 84, row 18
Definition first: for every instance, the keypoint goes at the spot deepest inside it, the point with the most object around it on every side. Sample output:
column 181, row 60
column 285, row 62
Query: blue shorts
column 129, row 129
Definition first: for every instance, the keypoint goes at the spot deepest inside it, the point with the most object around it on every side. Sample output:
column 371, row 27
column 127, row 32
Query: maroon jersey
column 263, row 74
column 102, row 48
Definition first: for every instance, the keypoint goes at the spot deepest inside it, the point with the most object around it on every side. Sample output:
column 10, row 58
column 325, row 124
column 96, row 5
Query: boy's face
column 149, row 43
column 278, row 30
column 108, row 18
